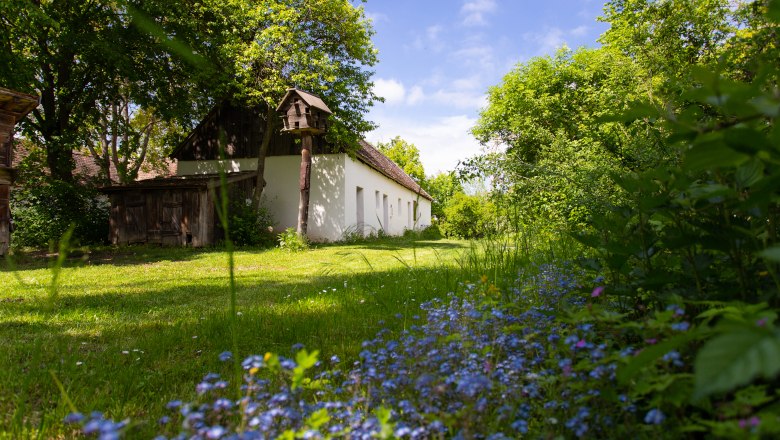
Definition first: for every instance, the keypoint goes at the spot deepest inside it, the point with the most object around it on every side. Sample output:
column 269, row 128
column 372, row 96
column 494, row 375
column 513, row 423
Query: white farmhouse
column 364, row 194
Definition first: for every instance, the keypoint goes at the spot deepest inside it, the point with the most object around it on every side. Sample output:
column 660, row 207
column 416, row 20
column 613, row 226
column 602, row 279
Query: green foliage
column 171, row 61
column 405, row 155
column 549, row 114
column 442, row 187
column 431, row 232
column 291, row 241
column 469, row 217
column 704, row 228
column 45, row 209
column 735, row 358
column 250, row 227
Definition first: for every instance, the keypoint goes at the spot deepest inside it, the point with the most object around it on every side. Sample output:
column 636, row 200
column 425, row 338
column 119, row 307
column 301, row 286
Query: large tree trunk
column 270, row 126
column 305, row 184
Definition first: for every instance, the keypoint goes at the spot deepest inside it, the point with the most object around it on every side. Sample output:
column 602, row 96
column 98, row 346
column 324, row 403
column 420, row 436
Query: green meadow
column 127, row 330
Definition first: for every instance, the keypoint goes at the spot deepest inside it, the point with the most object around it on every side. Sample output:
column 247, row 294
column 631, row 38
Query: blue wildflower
column 654, row 417
column 74, row 417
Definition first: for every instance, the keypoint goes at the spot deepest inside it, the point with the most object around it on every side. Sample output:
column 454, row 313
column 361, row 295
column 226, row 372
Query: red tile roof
column 87, row 167
column 378, row 161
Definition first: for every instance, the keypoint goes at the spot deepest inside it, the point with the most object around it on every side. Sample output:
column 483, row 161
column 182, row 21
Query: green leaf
column 384, row 415
column 735, row 358
column 317, row 419
column 771, row 253
column 773, row 12
column 650, row 354
column 711, row 155
column 750, row 173
column 305, row 360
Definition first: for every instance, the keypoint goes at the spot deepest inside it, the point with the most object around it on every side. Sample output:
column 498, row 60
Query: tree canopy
column 406, row 155
column 175, row 60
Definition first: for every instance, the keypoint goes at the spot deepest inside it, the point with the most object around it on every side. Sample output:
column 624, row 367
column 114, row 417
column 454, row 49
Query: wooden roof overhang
column 204, row 181
column 16, row 104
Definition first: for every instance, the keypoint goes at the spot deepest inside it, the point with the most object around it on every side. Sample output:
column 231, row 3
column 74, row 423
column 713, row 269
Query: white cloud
column 474, row 12
column 443, row 141
column 546, row 42
column 433, row 32
column 475, row 55
column 430, row 40
column 376, row 17
column 468, row 83
column 415, row 95
column 579, row 31
column 392, row 90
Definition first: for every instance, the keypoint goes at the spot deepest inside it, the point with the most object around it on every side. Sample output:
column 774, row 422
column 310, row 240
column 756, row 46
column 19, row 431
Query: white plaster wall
column 333, row 196
column 361, row 175
column 326, row 198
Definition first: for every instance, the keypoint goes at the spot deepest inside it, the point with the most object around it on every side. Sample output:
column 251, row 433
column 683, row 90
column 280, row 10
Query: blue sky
column 438, row 58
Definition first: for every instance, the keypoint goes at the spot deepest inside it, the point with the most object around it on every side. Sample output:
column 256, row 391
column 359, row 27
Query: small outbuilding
column 14, row 106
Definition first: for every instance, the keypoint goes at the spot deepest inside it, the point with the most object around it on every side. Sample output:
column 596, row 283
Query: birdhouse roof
column 16, row 103
column 308, row 98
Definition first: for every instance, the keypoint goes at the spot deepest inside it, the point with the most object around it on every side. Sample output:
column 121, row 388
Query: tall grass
column 136, row 327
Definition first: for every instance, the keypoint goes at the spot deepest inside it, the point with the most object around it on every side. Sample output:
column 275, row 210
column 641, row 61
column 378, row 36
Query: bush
column 249, row 227
column 469, row 217
column 44, row 209
column 289, row 240
column 431, row 232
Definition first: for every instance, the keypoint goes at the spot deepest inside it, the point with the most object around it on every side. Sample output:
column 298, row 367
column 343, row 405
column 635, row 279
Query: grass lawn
column 133, row 328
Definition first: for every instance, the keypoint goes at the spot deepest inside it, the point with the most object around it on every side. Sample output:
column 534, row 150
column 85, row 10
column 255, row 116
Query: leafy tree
column 405, row 155
column 62, row 51
column 442, row 187
column 667, row 37
column 321, row 46
column 549, row 115
column 469, row 216
column 130, row 138
column 83, row 58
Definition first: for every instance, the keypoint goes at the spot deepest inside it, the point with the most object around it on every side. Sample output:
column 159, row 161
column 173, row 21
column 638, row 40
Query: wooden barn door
column 5, row 219
column 171, row 224
column 135, row 218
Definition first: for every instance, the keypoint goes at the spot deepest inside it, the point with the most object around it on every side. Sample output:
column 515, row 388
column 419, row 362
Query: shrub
column 44, row 209
column 469, row 217
column 249, row 227
column 289, row 240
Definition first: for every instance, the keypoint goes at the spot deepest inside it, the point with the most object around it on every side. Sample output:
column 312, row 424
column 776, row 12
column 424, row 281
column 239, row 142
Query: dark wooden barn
column 13, row 107
column 181, row 210
column 172, row 211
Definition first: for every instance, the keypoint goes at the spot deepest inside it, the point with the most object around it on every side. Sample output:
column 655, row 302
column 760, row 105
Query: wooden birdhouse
column 303, row 112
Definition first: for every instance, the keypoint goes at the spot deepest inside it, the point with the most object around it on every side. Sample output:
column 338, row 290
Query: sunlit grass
column 133, row 328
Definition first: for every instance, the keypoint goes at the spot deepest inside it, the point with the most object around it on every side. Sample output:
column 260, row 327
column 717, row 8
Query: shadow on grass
column 129, row 353
column 117, row 256
column 146, row 254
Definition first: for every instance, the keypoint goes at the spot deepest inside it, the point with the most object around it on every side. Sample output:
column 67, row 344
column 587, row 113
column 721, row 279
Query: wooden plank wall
column 6, row 134
column 5, row 219
column 165, row 217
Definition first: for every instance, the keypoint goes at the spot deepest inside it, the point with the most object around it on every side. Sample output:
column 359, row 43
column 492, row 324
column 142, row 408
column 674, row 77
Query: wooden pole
column 305, row 184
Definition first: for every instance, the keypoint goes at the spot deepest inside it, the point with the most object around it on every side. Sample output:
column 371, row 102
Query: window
column 359, row 211
column 385, row 218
